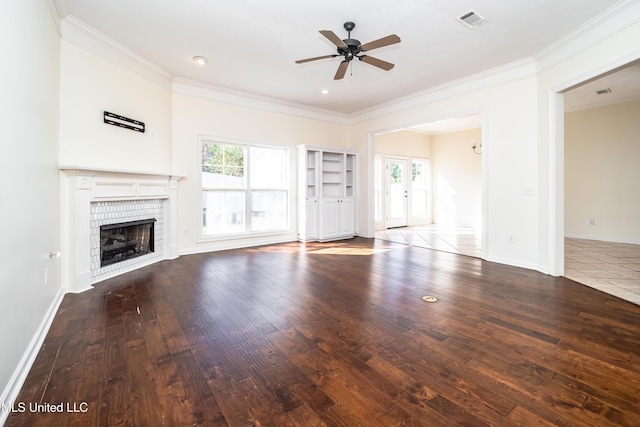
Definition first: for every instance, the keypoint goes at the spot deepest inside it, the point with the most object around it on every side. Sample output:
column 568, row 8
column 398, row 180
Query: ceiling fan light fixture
column 200, row 60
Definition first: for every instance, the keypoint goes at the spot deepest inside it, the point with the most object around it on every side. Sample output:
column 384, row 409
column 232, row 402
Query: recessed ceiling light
column 200, row 60
column 324, row 91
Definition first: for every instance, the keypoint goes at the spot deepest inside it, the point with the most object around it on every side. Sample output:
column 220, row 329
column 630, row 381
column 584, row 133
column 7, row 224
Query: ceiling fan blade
column 331, row 36
column 342, row 69
column 385, row 41
column 376, row 62
column 302, row 61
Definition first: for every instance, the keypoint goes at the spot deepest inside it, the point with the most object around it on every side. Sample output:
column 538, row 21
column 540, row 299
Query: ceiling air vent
column 471, row 19
column 603, row 91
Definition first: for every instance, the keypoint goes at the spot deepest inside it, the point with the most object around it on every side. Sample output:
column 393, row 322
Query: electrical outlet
column 511, row 238
column 185, row 232
column 528, row 191
column 592, row 221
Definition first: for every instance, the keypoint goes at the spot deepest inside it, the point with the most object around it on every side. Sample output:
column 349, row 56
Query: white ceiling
column 252, row 44
column 624, row 86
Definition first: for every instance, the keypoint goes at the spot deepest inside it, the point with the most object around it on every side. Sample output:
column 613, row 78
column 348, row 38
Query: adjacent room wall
column 194, row 116
column 509, row 136
column 605, row 47
column 602, row 177
column 404, row 143
column 457, row 179
column 30, row 289
column 91, row 85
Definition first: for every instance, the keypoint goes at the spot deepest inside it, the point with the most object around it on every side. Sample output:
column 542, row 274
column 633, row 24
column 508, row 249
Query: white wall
column 404, row 143
column 609, row 45
column 91, row 85
column 509, row 135
column 29, row 206
column 602, row 177
column 457, row 179
column 193, row 116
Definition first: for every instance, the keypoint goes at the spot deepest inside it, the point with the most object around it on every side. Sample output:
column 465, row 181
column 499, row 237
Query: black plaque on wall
column 123, row 122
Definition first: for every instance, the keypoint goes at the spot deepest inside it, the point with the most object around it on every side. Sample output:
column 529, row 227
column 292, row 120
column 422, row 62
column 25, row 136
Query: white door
column 396, row 192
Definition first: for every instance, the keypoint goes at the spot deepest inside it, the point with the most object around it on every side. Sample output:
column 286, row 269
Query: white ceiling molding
column 80, row 34
column 609, row 22
column 58, row 11
column 514, row 71
column 245, row 99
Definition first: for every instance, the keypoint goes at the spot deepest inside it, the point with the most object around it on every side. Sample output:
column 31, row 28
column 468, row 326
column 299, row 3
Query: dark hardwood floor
column 337, row 334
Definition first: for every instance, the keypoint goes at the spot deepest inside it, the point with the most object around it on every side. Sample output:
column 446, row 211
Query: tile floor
column 613, row 268
column 459, row 240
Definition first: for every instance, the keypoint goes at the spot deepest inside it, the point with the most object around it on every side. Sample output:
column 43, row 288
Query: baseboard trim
column 513, row 263
column 19, row 376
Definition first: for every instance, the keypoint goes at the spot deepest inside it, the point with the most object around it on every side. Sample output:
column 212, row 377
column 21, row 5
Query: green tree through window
column 224, row 159
column 396, row 173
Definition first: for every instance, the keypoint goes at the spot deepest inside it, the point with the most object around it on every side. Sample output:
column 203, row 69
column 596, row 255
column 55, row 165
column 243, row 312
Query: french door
column 396, row 192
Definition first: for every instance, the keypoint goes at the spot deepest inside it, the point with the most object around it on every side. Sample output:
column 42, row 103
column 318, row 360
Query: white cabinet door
column 311, row 220
column 347, row 225
column 330, row 219
column 337, row 219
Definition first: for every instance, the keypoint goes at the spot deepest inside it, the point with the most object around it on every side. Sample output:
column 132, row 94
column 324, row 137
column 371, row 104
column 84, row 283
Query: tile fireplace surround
column 93, row 197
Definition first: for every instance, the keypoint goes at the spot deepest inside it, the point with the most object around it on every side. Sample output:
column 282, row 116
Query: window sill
column 245, row 235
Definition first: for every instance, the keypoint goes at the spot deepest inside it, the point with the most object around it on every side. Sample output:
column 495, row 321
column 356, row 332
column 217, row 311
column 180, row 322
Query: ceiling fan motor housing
column 352, row 49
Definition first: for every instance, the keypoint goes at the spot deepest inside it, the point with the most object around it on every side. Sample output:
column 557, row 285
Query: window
column 244, row 188
column 419, row 188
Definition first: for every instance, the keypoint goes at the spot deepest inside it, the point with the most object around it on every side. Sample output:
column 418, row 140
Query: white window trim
column 202, row 238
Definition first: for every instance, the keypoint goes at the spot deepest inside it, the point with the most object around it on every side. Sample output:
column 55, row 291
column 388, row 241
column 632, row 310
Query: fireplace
column 122, row 241
column 98, row 206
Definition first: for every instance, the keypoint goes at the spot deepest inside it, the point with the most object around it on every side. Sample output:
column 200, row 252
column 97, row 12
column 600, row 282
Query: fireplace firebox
column 126, row 240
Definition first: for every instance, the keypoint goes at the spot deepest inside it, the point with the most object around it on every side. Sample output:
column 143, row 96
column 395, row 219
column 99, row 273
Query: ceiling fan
column 351, row 48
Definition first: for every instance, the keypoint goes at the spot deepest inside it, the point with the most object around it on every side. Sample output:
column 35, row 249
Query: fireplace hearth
column 122, row 241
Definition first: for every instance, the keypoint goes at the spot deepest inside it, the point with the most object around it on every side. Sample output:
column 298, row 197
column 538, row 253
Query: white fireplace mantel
column 82, row 186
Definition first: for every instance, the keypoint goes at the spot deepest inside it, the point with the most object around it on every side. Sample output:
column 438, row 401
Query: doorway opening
column 601, row 236
column 428, row 185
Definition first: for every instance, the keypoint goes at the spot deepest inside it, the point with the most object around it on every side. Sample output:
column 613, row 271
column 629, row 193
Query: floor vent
column 471, row 19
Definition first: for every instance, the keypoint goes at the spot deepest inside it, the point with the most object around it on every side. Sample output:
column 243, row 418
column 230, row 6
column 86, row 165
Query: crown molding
column 612, row 20
column 58, row 9
column 80, row 34
column 513, row 71
column 251, row 100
